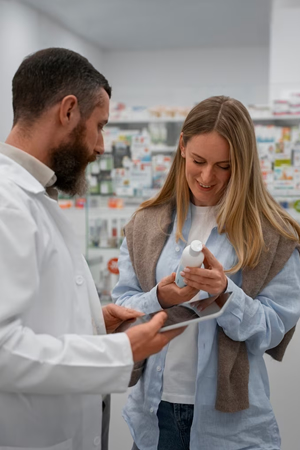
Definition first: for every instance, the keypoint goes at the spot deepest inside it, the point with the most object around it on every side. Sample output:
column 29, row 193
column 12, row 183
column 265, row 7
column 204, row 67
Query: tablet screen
column 186, row 313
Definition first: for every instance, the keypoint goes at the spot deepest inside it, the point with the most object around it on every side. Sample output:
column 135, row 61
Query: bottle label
column 179, row 280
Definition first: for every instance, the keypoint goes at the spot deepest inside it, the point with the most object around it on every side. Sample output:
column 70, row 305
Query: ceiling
column 119, row 25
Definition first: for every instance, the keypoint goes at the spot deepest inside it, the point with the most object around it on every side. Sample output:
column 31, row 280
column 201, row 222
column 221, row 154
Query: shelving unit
column 291, row 119
column 256, row 118
column 106, row 249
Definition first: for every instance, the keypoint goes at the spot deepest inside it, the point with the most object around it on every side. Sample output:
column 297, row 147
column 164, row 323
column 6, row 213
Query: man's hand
column 114, row 315
column 169, row 294
column 146, row 339
column 211, row 279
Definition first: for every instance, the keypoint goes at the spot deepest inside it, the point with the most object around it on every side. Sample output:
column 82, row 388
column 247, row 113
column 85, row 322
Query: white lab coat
column 53, row 370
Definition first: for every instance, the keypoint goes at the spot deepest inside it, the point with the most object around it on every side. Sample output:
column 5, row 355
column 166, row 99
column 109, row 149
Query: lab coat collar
column 20, row 176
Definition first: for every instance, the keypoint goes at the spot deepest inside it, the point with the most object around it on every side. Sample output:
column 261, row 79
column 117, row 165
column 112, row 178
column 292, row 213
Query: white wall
column 285, row 394
column 24, row 31
column 175, row 77
column 284, row 79
column 184, row 77
column 284, row 49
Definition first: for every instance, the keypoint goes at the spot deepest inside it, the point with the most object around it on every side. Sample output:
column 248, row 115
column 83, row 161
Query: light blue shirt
column 261, row 322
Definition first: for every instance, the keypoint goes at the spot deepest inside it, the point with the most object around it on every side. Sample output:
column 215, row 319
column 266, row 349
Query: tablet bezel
column 210, row 312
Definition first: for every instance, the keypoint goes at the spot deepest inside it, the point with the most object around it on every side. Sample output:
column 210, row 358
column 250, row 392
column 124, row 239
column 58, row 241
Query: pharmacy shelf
column 293, row 193
column 105, row 212
column 163, row 148
column 94, row 259
column 277, row 118
column 145, row 120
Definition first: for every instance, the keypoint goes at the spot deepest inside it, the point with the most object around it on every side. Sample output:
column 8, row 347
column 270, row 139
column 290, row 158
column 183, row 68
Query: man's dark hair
column 47, row 76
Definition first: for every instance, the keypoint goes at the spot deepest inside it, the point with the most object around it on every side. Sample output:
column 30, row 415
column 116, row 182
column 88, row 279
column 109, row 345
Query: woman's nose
column 206, row 174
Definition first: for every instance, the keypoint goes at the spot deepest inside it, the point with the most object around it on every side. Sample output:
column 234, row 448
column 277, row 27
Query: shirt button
column 97, row 440
column 151, row 410
column 158, row 368
column 79, row 280
column 177, row 248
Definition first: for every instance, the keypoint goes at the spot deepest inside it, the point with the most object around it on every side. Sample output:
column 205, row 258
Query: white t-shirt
column 180, row 372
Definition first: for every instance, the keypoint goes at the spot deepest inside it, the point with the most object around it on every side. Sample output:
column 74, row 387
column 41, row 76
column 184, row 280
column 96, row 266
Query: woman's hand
column 211, row 279
column 169, row 294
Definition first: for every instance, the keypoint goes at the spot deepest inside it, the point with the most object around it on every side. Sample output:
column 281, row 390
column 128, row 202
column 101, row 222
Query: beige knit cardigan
column 146, row 235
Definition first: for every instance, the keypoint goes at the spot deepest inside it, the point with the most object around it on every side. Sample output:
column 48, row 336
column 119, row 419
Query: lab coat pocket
column 66, row 445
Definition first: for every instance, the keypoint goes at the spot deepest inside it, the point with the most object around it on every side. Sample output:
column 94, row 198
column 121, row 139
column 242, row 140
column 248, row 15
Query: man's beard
column 69, row 161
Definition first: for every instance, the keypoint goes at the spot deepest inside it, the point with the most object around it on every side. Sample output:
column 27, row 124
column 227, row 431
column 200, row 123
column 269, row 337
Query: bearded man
column 56, row 358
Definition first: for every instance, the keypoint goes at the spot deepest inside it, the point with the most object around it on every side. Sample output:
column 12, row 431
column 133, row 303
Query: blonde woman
column 209, row 388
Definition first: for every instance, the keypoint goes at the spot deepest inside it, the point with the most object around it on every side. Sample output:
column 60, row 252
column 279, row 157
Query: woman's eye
column 198, row 162
column 225, row 167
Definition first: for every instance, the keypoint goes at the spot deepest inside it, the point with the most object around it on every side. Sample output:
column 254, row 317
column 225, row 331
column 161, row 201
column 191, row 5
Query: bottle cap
column 195, row 247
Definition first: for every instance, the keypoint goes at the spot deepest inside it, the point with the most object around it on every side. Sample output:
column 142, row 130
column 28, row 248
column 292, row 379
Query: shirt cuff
column 153, row 304
column 235, row 307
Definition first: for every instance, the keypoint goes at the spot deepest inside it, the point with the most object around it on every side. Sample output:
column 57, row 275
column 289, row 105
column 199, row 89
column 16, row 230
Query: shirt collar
column 42, row 173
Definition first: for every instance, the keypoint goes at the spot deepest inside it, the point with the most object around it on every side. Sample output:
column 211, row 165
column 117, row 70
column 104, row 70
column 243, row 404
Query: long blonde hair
column 246, row 200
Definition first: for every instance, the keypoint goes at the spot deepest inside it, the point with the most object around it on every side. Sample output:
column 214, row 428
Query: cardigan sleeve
column 262, row 322
column 128, row 291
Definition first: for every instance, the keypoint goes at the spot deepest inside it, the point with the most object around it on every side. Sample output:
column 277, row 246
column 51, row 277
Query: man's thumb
column 158, row 321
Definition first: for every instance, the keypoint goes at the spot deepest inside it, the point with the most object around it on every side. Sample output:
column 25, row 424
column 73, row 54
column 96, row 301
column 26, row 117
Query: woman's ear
column 181, row 145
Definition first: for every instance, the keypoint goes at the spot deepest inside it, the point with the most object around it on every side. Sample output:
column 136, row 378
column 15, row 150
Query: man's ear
column 69, row 114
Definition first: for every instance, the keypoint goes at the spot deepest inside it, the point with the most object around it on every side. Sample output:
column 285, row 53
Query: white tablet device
column 186, row 313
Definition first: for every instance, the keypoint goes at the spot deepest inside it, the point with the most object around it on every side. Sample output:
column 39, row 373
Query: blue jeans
column 174, row 421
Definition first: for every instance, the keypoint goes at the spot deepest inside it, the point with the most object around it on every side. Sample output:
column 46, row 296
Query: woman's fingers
column 196, row 272
column 210, row 261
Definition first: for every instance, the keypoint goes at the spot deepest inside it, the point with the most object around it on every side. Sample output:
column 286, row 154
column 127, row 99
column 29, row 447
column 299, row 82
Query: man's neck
column 28, row 141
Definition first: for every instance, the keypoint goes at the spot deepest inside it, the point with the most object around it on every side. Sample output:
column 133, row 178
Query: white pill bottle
column 192, row 256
